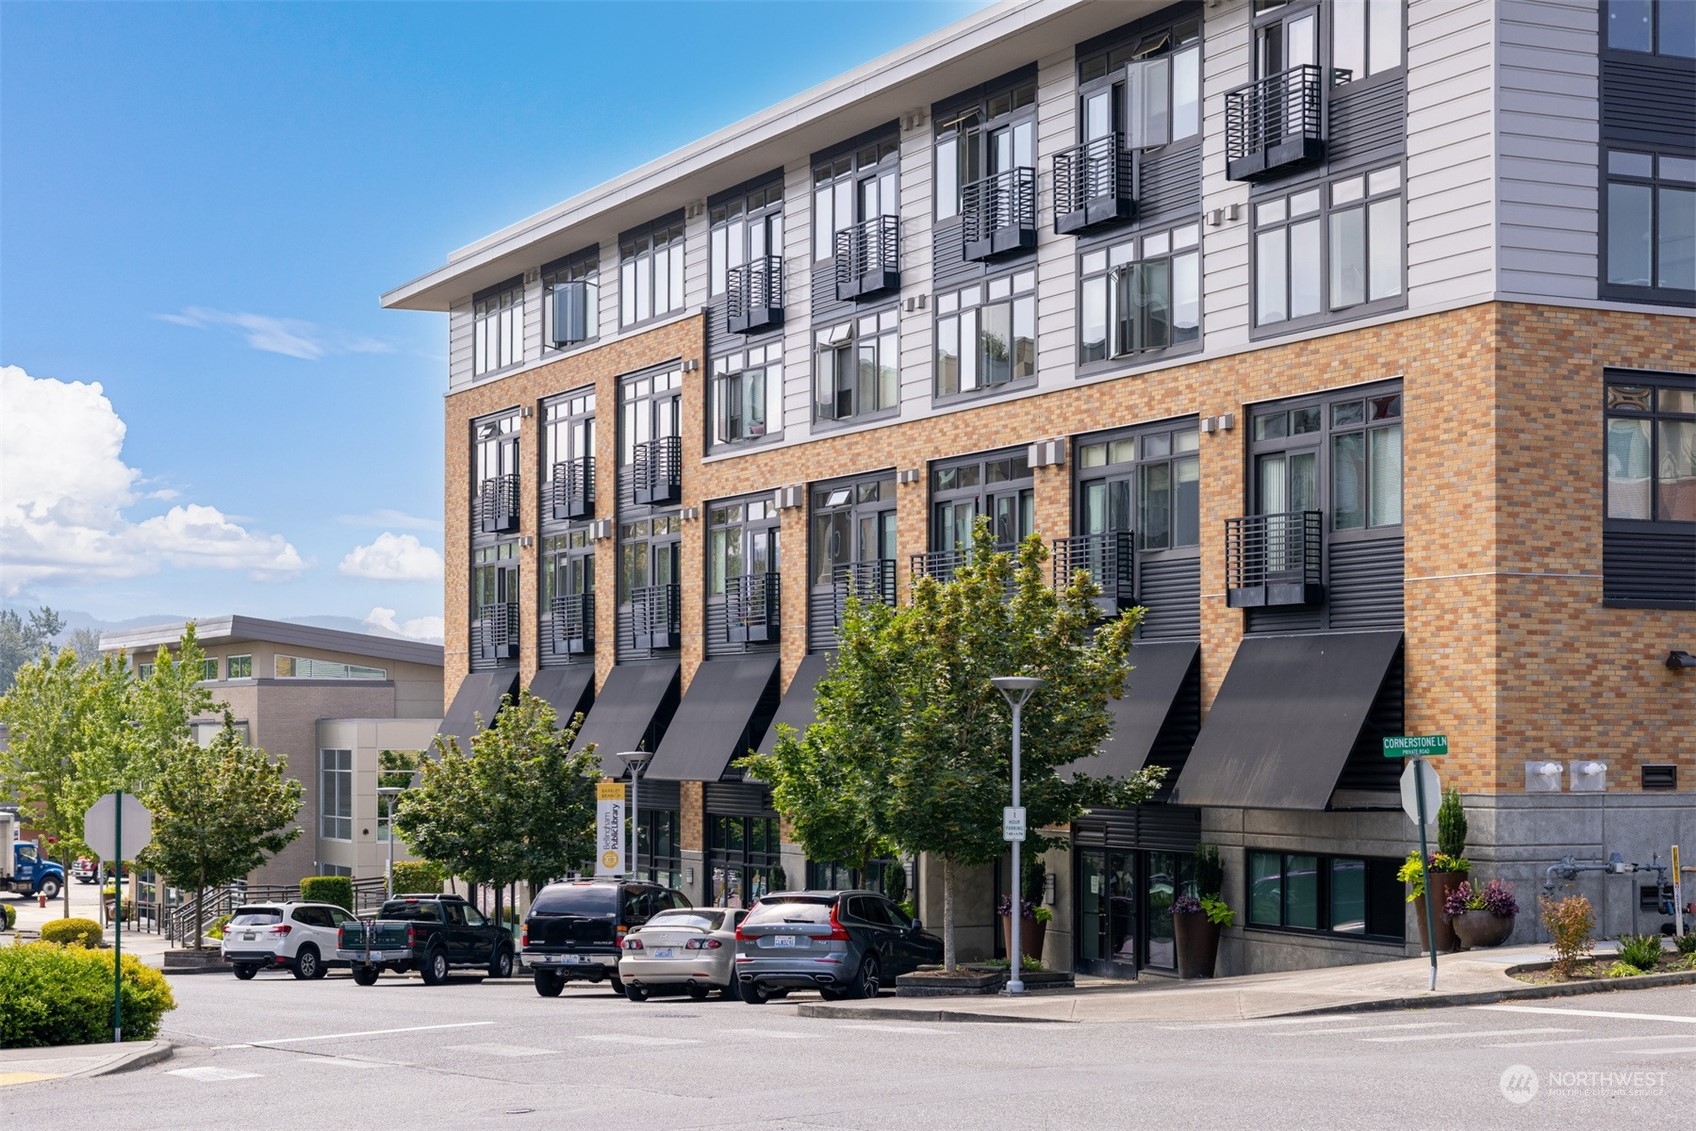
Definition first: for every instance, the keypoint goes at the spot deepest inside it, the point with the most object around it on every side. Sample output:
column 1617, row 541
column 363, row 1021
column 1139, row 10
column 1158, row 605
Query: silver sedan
column 684, row 948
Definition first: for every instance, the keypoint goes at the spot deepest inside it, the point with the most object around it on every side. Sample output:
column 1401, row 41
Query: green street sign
column 1416, row 746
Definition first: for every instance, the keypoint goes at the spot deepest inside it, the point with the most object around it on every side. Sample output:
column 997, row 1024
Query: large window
column 1330, row 249
column 239, row 667
column 1651, row 226
column 498, row 328
column 1651, row 449
column 741, row 542
column 1346, row 449
column 659, row 853
column 577, row 279
column 852, row 188
column 302, row 667
column 209, row 668
column 993, row 135
column 335, row 794
column 999, row 486
column 986, row 334
column 742, row 853
column 650, row 272
column 1141, row 295
column 1336, row 895
column 1147, row 86
column 745, row 229
column 651, row 405
column 1660, row 27
column 857, row 369
column 743, row 383
column 1147, row 480
column 568, row 456
column 1365, row 36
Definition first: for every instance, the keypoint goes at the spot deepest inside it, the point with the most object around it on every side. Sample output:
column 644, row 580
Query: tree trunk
column 199, row 910
column 948, row 962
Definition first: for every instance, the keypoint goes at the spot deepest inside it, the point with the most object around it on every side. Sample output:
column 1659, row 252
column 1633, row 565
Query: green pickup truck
column 434, row 934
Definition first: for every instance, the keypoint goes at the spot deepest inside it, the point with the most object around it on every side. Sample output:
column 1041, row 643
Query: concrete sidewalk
column 28, row 1066
column 1467, row 978
column 148, row 946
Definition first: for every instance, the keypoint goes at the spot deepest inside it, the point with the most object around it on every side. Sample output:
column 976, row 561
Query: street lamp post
column 634, row 760
column 391, row 792
column 1017, row 689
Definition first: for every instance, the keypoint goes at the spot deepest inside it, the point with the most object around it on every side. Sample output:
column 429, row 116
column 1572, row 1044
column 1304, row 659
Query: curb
column 864, row 1013
column 161, row 1051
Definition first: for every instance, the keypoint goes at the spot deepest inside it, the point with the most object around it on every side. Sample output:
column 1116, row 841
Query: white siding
column 459, row 345
column 917, row 210
column 696, row 252
column 1224, row 273
column 1056, row 276
column 532, row 315
column 609, row 288
column 1547, row 166
column 797, row 301
column 1450, row 151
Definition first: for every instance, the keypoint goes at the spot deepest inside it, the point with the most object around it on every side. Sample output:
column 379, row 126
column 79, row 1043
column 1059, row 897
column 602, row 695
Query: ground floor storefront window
column 742, row 858
column 1334, row 895
column 1124, row 908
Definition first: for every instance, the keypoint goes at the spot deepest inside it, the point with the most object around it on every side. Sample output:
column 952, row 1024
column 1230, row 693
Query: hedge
column 418, row 877
column 62, row 995
column 10, row 915
column 72, row 932
column 328, row 889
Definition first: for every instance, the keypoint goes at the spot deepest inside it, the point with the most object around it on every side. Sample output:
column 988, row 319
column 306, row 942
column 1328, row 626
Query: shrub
column 72, row 932
column 1641, row 951
column 1496, row 898
column 216, row 930
column 1686, row 944
column 328, row 889
column 1570, row 923
column 894, row 882
column 55, row 995
column 1451, row 828
column 779, row 879
column 1621, row 970
column 1209, row 870
column 10, row 915
column 419, row 876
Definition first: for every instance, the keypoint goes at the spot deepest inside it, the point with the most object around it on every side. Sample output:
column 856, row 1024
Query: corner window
column 1651, row 222
column 1330, row 249
column 986, row 334
column 335, row 794
column 741, row 383
column 144, row 671
column 852, row 188
column 238, row 667
column 1336, row 895
column 857, row 368
column 650, row 272
column 1651, row 451
column 571, row 300
column 1658, row 27
column 498, row 328
column 744, row 230
column 1141, row 295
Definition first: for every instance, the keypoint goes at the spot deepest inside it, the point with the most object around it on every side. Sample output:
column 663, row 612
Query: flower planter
column 1481, row 928
column 1196, row 940
column 1442, row 883
column 1031, row 934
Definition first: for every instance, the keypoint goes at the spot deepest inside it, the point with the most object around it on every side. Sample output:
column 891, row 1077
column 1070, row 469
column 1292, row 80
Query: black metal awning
column 567, row 689
column 1286, row 718
column 479, row 697
column 718, row 720
column 634, row 704
column 1158, row 671
column 797, row 706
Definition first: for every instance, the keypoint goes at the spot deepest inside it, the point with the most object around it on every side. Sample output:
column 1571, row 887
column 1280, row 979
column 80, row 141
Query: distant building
column 327, row 703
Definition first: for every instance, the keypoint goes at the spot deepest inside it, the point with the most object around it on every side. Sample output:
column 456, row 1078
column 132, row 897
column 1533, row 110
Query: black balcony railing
column 753, row 608
column 1094, row 185
column 1274, row 125
column 871, row 580
column 574, row 488
column 1274, row 559
column 942, row 564
column 656, row 471
column 754, row 295
column 998, row 214
column 654, row 620
column 868, row 258
column 497, row 504
column 573, row 624
column 1109, row 558
column 497, row 631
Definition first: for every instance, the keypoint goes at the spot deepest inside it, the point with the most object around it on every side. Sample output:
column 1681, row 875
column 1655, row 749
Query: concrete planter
column 1481, row 928
column 1196, row 940
column 1031, row 934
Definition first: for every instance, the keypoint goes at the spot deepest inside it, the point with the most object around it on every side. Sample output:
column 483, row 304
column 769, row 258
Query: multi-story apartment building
column 1352, row 339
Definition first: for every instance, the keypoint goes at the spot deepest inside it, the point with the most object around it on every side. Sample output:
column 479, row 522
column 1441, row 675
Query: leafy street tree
column 913, row 740
column 85, row 642
column 21, row 641
column 218, row 812
column 519, row 806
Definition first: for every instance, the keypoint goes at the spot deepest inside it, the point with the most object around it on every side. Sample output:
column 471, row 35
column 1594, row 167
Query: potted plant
column 1482, row 917
column 1447, row 872
column 1197, row 919
column 1034, row 918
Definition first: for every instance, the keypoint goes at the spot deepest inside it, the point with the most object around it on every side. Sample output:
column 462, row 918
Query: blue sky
column 199, row 205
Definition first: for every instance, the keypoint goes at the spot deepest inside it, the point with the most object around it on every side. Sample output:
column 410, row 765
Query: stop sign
column 1429, row 785
column 100, row 826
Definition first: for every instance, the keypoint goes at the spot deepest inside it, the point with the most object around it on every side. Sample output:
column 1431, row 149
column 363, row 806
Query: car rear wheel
column 435, row 968
column 866, row 982
column 365, row 975
column 307, row 964
column 617, row 985
column 245, row 971
column 697, row 993
column 500, row 966
column 755, row 994
column 635, row 993
column 831, row 995
column 50, row 888
column 548, row 984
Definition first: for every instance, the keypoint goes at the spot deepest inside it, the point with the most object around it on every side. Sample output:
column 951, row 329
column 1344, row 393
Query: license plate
column 782, row 940
column 247, row 938
column 665, row 952
column 575, row 959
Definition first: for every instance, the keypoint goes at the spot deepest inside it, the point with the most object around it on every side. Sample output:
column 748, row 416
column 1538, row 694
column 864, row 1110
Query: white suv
column 298, row 936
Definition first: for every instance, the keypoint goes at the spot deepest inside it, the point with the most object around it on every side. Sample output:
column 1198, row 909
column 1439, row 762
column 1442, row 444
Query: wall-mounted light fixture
column 792, row 496
column 690, row 514
column 526, row 540
column 690, row 364
column 1679, row 659
column 1542, row 776
column 1047, row 453
column 917, row 303
column 602, row 529
column 910, row 475
column 1215, row 217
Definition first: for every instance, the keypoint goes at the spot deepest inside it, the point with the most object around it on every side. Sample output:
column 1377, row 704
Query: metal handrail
column 656, row 466
column 870, row 580
column 1262, row 114
column 497, row 503
column 654, row 610
column 1108, row 557
column 753, row 601
column 574, row 487
column 942, row 564
column 1264, row 548
column 755, row 285
column 997, row 203
column 871, row 245
column 497, row 624
column 573, row 619
column 1096, row 170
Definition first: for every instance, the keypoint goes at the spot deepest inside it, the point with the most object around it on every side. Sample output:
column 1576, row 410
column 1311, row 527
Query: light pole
column 1017, row 688
column 391, row 791
column 634, row 760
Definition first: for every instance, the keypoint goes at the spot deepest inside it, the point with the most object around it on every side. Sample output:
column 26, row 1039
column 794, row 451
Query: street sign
column 100, row 827
column 1416, row 746
column 1428, row 784
column 609, row 828
column 1013, row 823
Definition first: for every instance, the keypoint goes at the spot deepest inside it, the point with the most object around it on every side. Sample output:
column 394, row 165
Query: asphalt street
column 330, row 1053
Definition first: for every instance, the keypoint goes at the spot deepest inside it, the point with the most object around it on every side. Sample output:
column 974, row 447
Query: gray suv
column 840, row 943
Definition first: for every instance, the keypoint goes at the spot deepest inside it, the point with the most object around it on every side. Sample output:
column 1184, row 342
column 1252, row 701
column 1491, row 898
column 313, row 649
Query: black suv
column 574, row 927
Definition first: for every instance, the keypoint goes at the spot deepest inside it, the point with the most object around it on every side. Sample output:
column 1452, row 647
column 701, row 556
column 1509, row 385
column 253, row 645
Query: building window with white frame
column 498, row 327
column 1330, row 249
column 986, row 334
column 1141, row 295
column 335, row 794
column 743, row 383
column 650, row 272
column 857, row 370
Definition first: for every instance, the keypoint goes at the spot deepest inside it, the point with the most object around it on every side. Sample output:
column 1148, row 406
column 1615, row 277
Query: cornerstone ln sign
column 1416, row 746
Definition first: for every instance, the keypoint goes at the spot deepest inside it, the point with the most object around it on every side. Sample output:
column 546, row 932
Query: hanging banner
column 609, row 828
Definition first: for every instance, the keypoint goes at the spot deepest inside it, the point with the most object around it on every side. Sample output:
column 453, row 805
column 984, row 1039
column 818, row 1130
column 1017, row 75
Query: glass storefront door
column 1107, row 906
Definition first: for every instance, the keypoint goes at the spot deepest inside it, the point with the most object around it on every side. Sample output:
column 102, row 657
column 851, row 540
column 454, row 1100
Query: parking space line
column 778, row 1033
column 1463, row 1035
column 895, row 1029
column 1591, row 1013
column 363, row 1033
column 1569, row 1041
column 208, row 1074
column 1254, row 1023
column 346, row 1062
column 1664, row 1052
column 633, row 1039
column 1360, row 1029
column 510, row 1051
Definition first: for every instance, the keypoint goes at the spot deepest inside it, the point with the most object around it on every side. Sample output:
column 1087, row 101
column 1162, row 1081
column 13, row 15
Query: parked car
column 573, row 928
column 300, row 937
column 841, row 943
column 434, row 934
column 85, row 870
column 692, row 949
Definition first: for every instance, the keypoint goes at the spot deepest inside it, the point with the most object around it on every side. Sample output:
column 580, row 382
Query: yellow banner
column 609, row 791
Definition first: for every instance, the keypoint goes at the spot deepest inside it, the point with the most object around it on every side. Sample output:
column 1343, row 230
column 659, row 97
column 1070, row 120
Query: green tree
column 218, row 812
column 918, row 738
column 44, row 711
column 21, row 640
column 85, row 642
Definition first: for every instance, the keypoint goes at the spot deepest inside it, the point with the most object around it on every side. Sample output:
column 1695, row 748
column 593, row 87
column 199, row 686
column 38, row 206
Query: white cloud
column 394, row 557
column 388, row 517
column 427, row 629
column 64, row 487
column 290, row 337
